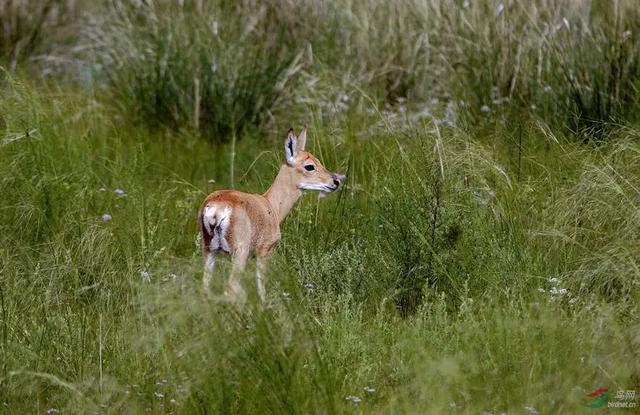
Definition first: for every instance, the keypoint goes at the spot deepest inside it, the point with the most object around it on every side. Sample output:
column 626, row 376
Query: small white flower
column 309, row 286
column 547, row 88
column 554, row 280
column 145, row 276
column 558, row 292
column 369, row 389
column 173, row 401
column 354, row 399
column 285, row 294
column 531, row 410
column 102, row 189
column 541, row 290
column 158, row 395
column 211, row 181
column 453, row 405
column 106, row 217
column 120, row 192
column 485, row 108
column 52, row 411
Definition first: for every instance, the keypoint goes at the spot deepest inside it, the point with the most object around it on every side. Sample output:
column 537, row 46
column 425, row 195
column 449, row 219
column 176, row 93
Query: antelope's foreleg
column 262, row 262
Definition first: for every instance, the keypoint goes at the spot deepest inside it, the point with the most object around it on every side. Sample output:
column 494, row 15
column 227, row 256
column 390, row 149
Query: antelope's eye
column 309, row 167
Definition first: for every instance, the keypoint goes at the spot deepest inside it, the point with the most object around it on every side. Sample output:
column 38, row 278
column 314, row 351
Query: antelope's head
column 308, row 172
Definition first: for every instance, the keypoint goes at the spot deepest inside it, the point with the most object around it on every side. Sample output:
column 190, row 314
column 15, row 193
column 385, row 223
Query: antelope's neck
column 283, row 193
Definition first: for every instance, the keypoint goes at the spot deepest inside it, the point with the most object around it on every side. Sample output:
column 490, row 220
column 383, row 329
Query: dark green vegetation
column 483, row 256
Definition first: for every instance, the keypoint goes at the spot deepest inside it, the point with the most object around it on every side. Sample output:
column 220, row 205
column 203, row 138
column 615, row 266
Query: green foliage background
column 482, row 257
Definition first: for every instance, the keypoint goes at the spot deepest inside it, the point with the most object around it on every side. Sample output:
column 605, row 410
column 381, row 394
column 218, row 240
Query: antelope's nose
column 338, row 178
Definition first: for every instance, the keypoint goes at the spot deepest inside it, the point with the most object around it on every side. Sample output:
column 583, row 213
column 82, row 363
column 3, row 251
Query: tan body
column 239, row 223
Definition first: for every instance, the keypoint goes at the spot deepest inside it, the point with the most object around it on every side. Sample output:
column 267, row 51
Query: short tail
column 214, row 221
column 209, row 219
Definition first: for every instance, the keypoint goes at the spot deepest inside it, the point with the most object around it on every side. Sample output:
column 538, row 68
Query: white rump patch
column 216, row 220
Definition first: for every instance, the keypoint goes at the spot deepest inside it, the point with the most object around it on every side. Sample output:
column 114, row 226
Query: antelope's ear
column 302, row 139
column 291, row 147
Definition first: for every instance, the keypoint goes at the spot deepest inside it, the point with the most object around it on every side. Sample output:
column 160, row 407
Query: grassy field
column 482, row 258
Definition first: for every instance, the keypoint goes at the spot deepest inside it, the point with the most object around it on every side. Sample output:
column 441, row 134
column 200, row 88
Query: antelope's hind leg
column 234, row 289
column 209, row 266
column 208, row 255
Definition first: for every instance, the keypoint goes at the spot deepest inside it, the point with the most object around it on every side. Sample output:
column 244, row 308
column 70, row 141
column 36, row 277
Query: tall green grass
column 216, row 67
column 575, row 64
column 481, row 258
column 461, row 273
column 33, row 31
column 219, row 68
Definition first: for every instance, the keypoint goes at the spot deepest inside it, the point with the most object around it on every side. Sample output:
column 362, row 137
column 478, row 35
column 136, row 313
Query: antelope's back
column 251, row 217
